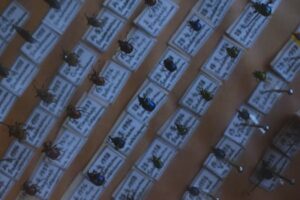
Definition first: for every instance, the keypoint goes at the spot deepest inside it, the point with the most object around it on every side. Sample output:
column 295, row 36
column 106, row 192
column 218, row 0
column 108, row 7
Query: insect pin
column 97, row 178
column 181, row 128
column 93, row 21
column 73, row 112
column 118, row 142
column 150, row 2
column 157, row 162
column 44, row 94
column 193, row 190
column 289, row 91
column 195, row 25
column 71, row 58
column 205, row 94
column 16, row 130
column 263, row 128
column 221, row 155
column 53, row 4
column 26, row 35
column 96, row 79
column 30, row 188
column 260, row 75
column 4, row 72
column 169, row 64
column 50, row 150
column 147, row 103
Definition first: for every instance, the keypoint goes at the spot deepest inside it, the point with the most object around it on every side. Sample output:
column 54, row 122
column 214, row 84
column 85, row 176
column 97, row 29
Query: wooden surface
column 188, row 161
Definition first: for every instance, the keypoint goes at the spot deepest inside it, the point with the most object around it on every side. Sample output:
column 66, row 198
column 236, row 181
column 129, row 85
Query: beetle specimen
column 71, row 58
column 194, row 191
column 195, row 25
column 73, row 112
column 53, row 4
column 44, row 94
column 265, row 128
column 118, row 142
column 30, row 188
column 296, row 36
column 125, row 46
column 51, row 151
column 150, row 2
column 4, row 72
column 260, row 9
column 244, row 114
column 26, row 35
column 96, row 178
column 96, row 79
column 288, row 91
column 169, row 64
column 147, row 103
column 130, row 196
column 260, row 75
column 16, row 130
column 93, row 21
column 206, row 95
column 181, row 129
column 221, row 155
column 157, row 162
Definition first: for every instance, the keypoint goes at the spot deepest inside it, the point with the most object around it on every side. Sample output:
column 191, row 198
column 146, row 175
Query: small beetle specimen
column 169, row 64
column 30, row 188
column 73, row 112
column 232, row 52
column 125, row 46
column 147, row 103
column 93, row 21
column 221, row 155
column 96, row 178
column 4, row 72
column 130, row 196
column 260, row 75
column 265, row 128
column 44, row 94
column 96, row 79
column 194, row 191
column 71, row 58
column 51, row 151
column 16, row 130
column 195, row 25
column 118, row 142
column 26, row 35
column 296, row 36
column 260, row 9
column 53, row 4
column 150, row 2
column 244, row 114
column 181, row 128
column 206, row 95
column 157, row 163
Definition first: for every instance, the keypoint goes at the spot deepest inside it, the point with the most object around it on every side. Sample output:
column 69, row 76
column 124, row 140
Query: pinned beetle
column 181, row 129
column 260, row 75
column 30, row 188
column 93, row 21
column 44, row 94
column 96, row 178
column 169, row 64
column 71, row 58
column 195, row 25
column 232, row 52
column 51, row 151
column 53, row 4
column 118, row 142
column 16, row 130
column 96, row 79
column 206, row 95
column 147, row 103
column 4, row 72
column 125, row 46
column 157, row 162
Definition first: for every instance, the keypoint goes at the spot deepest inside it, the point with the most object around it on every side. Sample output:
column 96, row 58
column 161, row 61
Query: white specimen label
column 287, row 62
column 265, row 95
column 102, row 37
column 20, row 76
column 7, row 101
column 39, row 125
column 237, row 131
column 115, row 79
column 130, row 130
column 46, row 176
column 154, row 18
column 107, row 162
column 20, row 155
column 60, row 19
column 163, row 76
column 46, row 39
column 91, row 112
column 62, row 90
column 173, row 130
column 5, row 185
column 160, row 152
column 141, row 43
column 69, row 145
column 14, row 14
column 153, row 93
column 135, row 185
column 189, row 40
column 213, row 10
column 205, row 181
column 76, row 74
column 124, row 8
column 193, row 100
column 223, row 60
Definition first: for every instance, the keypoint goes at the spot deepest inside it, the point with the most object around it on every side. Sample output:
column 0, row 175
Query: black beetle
column 4, row 72
column 17, row 130
column 96, row 178
column 206, row 95
column 53, row 4
column 150, row 2
column 71, row 58
column 44, row 94
column 93, row 21
column 30, row 188
column 147, row 103
column 125, row 46
column 195, row 25
column 118, row 142
column 243, row 114
column 169, row 64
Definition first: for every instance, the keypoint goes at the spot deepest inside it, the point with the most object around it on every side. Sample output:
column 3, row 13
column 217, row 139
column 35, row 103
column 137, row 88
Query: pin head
column 260, row 75
column 93, row 21
column 4, row 72
column 297, row 35
column 206, row 94
column 96, row 178
column 232, row 52
column 150, row 2
column 147, row 103
column 17, row 130
column 71, row 58
column 266, row 128
column 194, row 191
column 169, row 64
column 30, row 189
column 125, row 46
column 118, row 142
column 195, row 25
column 263, row 9
column 157, row 162
column 51, row 151
column 53, row 4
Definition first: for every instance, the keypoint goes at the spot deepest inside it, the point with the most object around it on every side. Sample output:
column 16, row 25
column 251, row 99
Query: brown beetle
column 30, row 188
column 125, row 46
column 150, row 2
column 73, row 112
column 50, row 150
column 16, row 130
column 26, row 35
column 44, row 94
column 93, row 21
column 96, row 79
column 71, row 58
column 4, row 72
